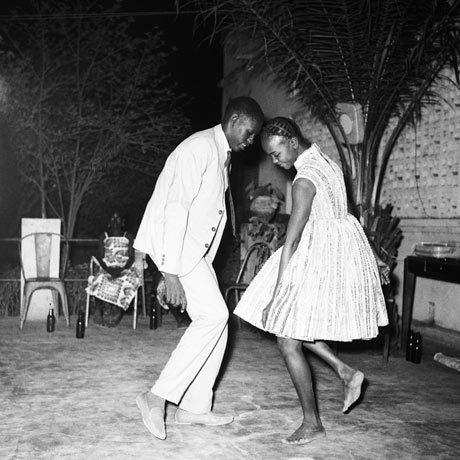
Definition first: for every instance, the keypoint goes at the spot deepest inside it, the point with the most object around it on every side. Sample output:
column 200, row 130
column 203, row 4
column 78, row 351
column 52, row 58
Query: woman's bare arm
column 303, row 192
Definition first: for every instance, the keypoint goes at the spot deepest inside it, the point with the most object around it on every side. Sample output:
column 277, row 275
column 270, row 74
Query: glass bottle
column 50, row 321
column 417, row 349
column 410, row 345
column 80, row 334
column 153, row 317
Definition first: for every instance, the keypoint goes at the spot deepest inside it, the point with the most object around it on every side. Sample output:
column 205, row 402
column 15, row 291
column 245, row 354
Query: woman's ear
column 294, row 142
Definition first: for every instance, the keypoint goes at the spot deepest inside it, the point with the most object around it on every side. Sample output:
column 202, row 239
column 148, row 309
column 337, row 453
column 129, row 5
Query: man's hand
column 175, row 294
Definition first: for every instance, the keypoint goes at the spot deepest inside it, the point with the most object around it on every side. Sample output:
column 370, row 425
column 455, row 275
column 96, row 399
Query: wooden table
column 427, row 267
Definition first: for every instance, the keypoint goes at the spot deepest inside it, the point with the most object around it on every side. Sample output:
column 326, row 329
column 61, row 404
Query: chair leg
column 237, row 299
column 22, row 307
column 135, row 311
column 87, row 310
column 144, row 308
column 387, row 330
column 386, row 346
column 227, row 293
column 55, row 296
column 25, row 303
column 65, row 305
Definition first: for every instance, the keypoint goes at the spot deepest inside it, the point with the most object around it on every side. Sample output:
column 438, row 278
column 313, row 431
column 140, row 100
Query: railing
column 89, row 241
column 5, row 310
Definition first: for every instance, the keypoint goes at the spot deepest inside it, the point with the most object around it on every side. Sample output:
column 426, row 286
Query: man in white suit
column 181, row 231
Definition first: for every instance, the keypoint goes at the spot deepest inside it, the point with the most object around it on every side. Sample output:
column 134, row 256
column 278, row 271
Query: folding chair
column 253, row 261
column 140, row 264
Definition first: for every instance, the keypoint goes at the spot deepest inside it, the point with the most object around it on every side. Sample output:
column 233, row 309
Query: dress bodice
column 330, row 201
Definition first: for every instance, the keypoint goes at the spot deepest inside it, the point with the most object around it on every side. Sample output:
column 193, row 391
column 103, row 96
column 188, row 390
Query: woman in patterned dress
column 116, row 279
column 324, row 283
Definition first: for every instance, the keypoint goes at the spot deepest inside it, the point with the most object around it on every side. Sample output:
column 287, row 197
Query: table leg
column 408, row 302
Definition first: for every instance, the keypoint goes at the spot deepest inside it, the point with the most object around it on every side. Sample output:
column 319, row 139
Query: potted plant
column 264, row 201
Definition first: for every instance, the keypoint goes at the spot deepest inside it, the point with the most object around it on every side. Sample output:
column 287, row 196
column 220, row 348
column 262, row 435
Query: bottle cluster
column 80, row 325
column 414, row 347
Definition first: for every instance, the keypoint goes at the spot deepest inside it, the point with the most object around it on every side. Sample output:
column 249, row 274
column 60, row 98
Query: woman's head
column 116, row 222
column 282, row 140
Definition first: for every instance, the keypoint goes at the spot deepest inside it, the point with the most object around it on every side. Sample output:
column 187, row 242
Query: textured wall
column 422, row 182
column 422, row 178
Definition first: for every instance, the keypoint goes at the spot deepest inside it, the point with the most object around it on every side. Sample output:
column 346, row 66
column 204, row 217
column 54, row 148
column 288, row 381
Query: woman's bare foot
column 305, row 434
column 352, row 388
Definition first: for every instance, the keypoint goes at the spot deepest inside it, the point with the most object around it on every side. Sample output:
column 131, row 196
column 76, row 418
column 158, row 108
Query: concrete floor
column 63, row 398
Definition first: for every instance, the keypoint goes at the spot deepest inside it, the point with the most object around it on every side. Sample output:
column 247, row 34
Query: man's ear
column 234, row 118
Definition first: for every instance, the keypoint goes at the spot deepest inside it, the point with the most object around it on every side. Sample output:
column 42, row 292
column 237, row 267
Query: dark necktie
column 230, row 198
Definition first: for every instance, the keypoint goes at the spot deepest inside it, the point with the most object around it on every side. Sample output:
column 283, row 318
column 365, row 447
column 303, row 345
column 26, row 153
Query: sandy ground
column 63, row 398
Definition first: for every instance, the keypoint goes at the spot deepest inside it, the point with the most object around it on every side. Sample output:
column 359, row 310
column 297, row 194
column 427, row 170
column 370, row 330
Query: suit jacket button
column 206, row 245
column 213, row 229
column 220, row 212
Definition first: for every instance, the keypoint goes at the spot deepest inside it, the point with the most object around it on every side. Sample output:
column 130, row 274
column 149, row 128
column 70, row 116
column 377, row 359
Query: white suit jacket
column 186, row 215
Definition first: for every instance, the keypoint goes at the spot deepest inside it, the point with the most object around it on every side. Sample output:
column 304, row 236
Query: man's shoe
column 153, row 417
column 183, row 417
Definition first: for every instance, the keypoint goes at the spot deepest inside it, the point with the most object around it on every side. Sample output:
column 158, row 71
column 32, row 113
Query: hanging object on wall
column 350, row 115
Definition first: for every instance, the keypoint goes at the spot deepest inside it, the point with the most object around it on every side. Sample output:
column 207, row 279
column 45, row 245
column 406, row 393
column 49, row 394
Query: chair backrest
column 39, row 247
column 253, row 261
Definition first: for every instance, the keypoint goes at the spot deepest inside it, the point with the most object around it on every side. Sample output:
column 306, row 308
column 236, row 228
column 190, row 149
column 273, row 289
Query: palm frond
column 386, row 55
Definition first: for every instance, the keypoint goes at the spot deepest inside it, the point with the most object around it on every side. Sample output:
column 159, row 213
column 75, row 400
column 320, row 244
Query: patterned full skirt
column 330, row 289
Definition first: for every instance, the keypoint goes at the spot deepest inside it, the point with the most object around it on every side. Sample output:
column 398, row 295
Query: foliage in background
column 9, row 292
column 76, row 294
column 273, row 233
column 386, row 56
column 384, row 234
column 85, row 100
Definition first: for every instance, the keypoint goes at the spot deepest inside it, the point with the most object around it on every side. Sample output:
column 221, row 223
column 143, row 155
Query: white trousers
column 189, row 375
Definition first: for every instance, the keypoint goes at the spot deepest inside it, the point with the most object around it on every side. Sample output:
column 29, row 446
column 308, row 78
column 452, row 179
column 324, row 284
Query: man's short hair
column 246, row 106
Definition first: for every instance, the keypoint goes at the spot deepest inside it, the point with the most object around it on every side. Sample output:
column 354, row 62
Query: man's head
column 243, row 119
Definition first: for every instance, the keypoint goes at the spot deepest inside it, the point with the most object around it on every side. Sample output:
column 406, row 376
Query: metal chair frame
column 262, row 252
column 42, row 280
